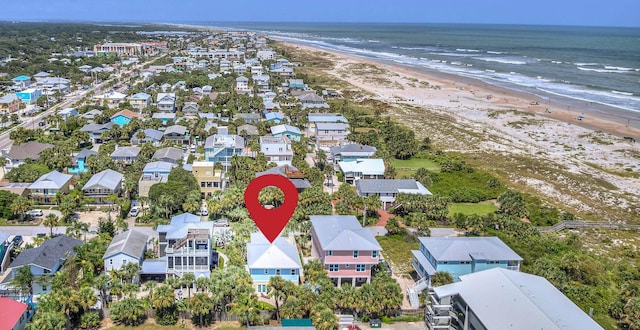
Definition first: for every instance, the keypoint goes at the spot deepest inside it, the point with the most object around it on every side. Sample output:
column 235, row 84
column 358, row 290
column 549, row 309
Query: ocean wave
column 618, row 68
column 467, row 50
column 495, row 53
column 587, row 64
column 622, row 93
column 373, row 41
column 453, row 54
column 502, row 60
column 603, row 70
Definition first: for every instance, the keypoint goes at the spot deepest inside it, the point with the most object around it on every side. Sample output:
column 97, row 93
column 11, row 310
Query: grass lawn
column 415, row 163
column 481, row 208
column 404, row 172
column 397, row 252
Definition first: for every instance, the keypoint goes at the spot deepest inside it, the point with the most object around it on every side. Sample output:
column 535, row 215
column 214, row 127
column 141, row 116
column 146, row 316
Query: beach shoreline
column 596, row 117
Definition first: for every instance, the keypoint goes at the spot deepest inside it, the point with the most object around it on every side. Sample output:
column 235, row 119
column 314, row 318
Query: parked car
column 134, row 211
column 204, row 212
column 221, row 223
column 17, row 240
column 35, row 213
column 41, row 234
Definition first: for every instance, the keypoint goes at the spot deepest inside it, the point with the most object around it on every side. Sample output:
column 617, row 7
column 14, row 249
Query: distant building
column 29, row 96
column 388, row 189
column 120, row 48
column 9, row 103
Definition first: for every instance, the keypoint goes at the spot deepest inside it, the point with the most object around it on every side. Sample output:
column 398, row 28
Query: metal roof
column 326, row 118
column 169, row 152
column 332, row 126
column 108, row 178
column 130, row 242
column 353, row 148
column 343, row 233
column 158, row 166
column 51, row 180
column 367, row 166
column 278, row 129
column 279, row 254
column 506, row 299
column 468, row 248
column 379, row 186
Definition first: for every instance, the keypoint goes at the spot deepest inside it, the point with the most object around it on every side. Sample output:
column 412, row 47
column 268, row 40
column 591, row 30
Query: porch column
column 369, row 279
column 339, row 282
column 353, row 282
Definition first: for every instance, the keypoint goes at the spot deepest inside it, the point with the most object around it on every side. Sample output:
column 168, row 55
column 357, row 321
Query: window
column 330, row 252
column 277, row 271
column 361, row 267
column 347, row 266
column 110, row 261
column 374, row 254
column 355, row 254
column 44, row 288
column 262, row 288
column 334, row 267
column 266, row 271
column 293, row 272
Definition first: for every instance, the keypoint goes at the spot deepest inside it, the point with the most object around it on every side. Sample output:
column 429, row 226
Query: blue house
column 351, row 152
column 265, row 260
column 221, row 147
column 292, row 132
column 21, row 81
column 273, row 117
column 79, row 161
column 68, row 112
column 462, row 255
column 158, row 169
column 164, row 117
column 124, row 117
column 29, row 96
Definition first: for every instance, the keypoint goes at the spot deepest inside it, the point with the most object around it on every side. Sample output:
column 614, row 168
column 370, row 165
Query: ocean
column 592, row 64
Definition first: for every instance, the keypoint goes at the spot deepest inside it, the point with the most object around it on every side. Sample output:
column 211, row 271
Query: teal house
column 124, row 117
column 265, row 260
column 29, row 96
column 462, row 255
column 80, row 161
column 292, row 132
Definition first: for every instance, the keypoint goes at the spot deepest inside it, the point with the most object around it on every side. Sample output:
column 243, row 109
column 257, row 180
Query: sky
column 542, row 12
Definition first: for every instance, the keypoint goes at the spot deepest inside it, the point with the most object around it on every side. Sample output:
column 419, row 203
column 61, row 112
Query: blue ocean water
column 594, row 64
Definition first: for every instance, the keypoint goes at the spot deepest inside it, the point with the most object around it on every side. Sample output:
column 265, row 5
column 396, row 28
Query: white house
column 242, row 84
column 277, row 149
column 362, row 168
column 126, row 247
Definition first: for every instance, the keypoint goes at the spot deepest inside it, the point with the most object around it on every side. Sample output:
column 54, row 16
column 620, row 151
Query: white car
column 134, row 212
column 204, row 212
column 35, row 213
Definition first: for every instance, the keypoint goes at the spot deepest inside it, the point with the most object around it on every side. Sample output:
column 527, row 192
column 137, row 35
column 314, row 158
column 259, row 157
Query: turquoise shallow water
column 594, row 64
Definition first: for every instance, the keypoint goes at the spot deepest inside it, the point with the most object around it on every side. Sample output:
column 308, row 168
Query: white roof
column 51, row 180
column 279, row 129
column 343, row 233
column 368, row 166
column 108, row 179
column 281, row 254
column 506, row 299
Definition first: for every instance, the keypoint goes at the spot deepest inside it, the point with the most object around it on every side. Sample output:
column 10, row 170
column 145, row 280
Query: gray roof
column 176, row 129
column 150, row 133
column 85, row 153
column 343, row 233
column 248, row 116
column 332, row 126
column 96, row 127
column 47, row 255
column 108, row 178
column 170, row 153
column 164, row 115
column 160, row 165
column 353, row 149
column 280, row 170
column 326, row 118
column 184, row 218
column 130, row 242
column 154, row 266
column 126, row 152
column 51, row 180
column 468, row 248
column 280, row 254
column 250, row 129
column 30, row 150
column 506, row 299
column 369, row 186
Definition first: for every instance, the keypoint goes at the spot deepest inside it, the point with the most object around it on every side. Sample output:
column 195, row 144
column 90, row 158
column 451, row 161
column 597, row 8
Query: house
column 289, row 131
column 166, row 102
column 9, row 103
column 362, row 168
column 283, row 72
column 103, row 184
column 346, row 250
column 47, row 259
column 85, row 68
column 44, row 190
column 80, row 160
column 21, row 81
column 209, row 178
column 148, row 135
column 266, row 55
column 190, row 109
column 242, row 84
column 247, row 130
column 221, row 147
column 265, row 259
column 290, row 172
column 91, row 114
column 462, row 255
column 19, row 153
column 125, row 155
column 169, row 155
column 351, row 152
column 14, row 315
column 152, row 173
column 277, row 149
column 504, row 299
column 177, row 134
column 261, row 81
column 67, row 112
column 312, row 101
column 239, row 69
column 126, row 247
column 249, row 118
column 314, row 118
column 297, row 84
column 51, row 85
column 111, row 97
column 124, row 117
column 186, row 245
column 18, row 188
column 41, row 75
column 95, row 131
column 331, row 134
column 29, row 96
column 274, row 117
column 164, row 117
column 140, row 100
column 388, row 189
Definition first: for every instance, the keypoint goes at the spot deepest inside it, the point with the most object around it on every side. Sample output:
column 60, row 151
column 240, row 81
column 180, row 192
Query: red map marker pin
column 271, row 221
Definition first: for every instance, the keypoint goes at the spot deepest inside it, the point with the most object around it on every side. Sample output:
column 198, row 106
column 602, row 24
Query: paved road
column 27, row 231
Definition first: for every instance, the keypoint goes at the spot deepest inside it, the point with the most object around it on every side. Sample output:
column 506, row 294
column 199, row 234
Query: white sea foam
column 453, row 54
column 467, row 50
column 603, row 70
column 586, row 64
column 618, row 68
column 495, row 53
column 622, row 93
column 502, row 60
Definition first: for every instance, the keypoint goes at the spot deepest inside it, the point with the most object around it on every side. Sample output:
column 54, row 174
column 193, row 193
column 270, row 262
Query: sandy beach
column 491, row 119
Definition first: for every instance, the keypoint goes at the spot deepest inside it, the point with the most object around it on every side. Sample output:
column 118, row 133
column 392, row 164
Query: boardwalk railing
column 562, row 225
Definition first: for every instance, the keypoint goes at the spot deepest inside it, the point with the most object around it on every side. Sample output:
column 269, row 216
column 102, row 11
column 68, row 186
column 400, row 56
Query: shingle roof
column 250, row 129
column 170, row 153
column 30, row 149
column 127, row 113
column 96, row 127
column 332, row 126
column 468, row 248
column 84, row 154
column 51, row 180
column 506, row 299
column 343, row 233
column 299, row 183
column 164, row 115
column 176, row 129
column 130, row 242
column 108, row 179
column 126, row 152
column 372, row 186
column 150, row 133
column 47, row 255
column 280, row 254
column 353, row 148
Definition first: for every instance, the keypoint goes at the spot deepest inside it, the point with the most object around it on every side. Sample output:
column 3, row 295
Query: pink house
column 346, row 250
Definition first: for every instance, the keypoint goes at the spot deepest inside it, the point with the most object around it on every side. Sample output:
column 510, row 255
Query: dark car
column 41, row 234
column 17, row 240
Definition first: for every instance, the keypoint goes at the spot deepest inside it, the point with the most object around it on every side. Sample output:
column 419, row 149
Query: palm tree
column 172, row 282
column 23, row 279
column 47, row 321
column 202, row 283
column 188, row 280
column 276, row 286
column 101, row 282
column 130, row 271
column 150, row 286
column 87, row 298
column 200, row 305
column 51, row 220
column 163, row 297
column 3, row 163
column 78, row 229
column 325, row 319
column 21, row 205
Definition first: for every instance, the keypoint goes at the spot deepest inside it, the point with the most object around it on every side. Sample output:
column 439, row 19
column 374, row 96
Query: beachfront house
column 346, row 250
column 388, row 189
column 328, row 135
column 265, row 259
column 362, row 168
column 351, row 152
column 103, row 184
